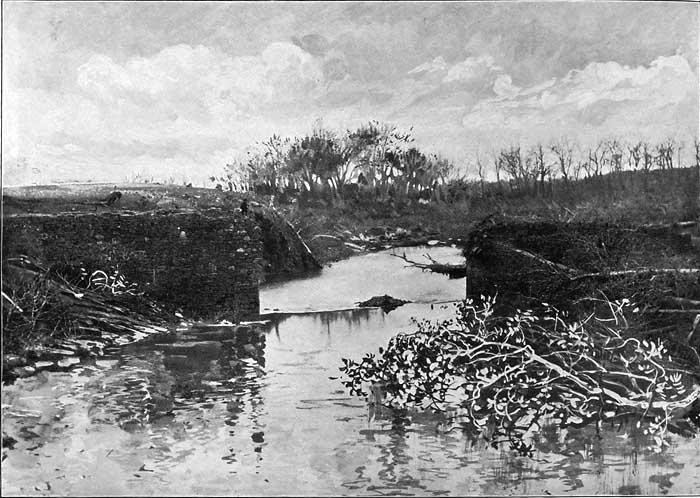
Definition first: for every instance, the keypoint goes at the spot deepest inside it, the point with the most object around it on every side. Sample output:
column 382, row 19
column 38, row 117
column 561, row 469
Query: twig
column 9, row 299
column 537, row 258
column 324, row 236
column 641, row 271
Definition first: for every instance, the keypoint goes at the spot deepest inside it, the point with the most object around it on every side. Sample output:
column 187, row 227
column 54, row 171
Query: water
column 200, row 420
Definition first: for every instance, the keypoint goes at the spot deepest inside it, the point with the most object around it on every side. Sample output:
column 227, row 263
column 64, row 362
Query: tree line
column 378, row 161
column 563, row 159
column 375, row 160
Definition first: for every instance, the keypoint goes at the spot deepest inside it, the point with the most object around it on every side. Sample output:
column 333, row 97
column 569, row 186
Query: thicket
column 63, row 307
column 505, row 378
column 375, row 161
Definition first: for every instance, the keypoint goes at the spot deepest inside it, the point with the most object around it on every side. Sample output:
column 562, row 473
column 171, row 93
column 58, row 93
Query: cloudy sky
column 174, row 90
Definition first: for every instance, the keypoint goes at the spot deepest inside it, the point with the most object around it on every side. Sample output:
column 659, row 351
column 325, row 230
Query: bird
column 112, row 198
column 107, row 201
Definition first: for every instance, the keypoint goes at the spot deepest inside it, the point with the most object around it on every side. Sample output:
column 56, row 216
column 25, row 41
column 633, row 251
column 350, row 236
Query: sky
column 120, row 91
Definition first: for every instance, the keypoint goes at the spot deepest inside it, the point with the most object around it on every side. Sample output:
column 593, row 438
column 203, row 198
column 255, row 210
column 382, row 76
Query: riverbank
column 581, row 268
column 331, row 233
column 83, row 275
column 297, row 240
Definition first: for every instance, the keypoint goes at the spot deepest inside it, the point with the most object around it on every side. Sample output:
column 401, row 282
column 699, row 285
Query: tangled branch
column 507, row 376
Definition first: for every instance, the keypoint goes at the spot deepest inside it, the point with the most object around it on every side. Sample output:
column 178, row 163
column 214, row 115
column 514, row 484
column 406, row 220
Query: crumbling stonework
column 207, row 264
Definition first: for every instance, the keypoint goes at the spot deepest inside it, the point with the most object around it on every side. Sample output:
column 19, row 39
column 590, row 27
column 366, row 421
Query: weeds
column 33, row 314
column 41, row 307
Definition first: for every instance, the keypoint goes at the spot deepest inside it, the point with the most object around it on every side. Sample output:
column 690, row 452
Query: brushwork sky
column 120, row 90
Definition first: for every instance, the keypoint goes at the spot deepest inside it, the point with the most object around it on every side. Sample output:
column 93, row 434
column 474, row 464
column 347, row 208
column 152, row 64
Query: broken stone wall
column 208, row 265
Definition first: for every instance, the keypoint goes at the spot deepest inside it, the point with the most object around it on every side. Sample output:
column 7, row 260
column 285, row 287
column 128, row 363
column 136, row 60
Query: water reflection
column 356, row 279
column 153, row 381
column 324, row 321
column 202, row 414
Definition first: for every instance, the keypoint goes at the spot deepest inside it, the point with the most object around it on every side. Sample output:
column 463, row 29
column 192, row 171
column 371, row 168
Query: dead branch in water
column 506, row 375
column 454, row 271
column 460, row 269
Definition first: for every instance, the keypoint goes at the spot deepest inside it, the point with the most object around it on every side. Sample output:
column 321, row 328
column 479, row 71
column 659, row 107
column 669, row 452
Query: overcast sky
column 106, row 91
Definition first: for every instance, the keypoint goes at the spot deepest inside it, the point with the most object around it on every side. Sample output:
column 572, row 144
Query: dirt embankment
column 284, row 252
column 582, row 267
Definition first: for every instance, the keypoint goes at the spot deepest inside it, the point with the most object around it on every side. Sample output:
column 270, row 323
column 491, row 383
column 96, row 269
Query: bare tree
column 564, row 152
column 664, row 154
column 497, row 166
column 647, row 157
column 614, row 151
column 511, row 161
column 480, row 171
column 597, row 157
column 634, row 155
column 538, row 168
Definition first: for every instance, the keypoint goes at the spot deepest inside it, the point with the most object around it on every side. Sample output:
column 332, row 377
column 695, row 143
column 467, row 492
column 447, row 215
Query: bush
column 507, row 377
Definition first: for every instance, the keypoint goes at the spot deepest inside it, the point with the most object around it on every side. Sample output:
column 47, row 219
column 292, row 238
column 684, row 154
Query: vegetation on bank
column 336, row 187
column 379, row 169
column 51, row 314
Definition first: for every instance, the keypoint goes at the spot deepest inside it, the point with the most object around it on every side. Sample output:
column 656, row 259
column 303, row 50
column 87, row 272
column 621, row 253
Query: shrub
column 506, row 377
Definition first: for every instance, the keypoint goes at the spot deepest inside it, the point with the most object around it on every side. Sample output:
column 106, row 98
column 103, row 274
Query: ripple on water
column 186, row 420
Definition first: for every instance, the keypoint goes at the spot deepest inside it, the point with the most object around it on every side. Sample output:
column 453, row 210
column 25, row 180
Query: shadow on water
column 213, row 411
column 326, row 320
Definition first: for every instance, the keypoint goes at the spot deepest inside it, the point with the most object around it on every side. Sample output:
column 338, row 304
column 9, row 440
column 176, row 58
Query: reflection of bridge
column 200, row 366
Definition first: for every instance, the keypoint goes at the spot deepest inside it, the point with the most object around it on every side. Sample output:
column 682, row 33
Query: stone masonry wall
column 206, row 264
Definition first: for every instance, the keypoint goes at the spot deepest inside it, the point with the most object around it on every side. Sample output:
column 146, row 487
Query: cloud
column 190, row 100
column 437, row 64
column 601, row 98
column 503, row 86
column 188, row 80
column 158, row 86
column 471, row 68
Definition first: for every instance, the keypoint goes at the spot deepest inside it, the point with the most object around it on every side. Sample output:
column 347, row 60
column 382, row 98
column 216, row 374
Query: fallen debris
column 48, row 317
column 385, row 302
column 451, row 270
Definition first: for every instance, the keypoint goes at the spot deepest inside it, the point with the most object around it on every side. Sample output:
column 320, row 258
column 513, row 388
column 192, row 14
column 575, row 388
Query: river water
column 144, row 420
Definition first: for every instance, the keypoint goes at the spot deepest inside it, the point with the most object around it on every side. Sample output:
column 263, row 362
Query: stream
column 150, row 420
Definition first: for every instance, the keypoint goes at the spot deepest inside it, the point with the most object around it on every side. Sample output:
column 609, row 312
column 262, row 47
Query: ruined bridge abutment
column 207, row 264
